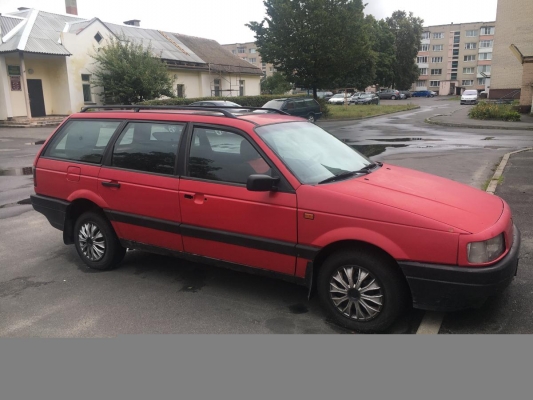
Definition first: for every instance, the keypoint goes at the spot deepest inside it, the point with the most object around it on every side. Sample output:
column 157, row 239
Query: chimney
column 133, row 22
column 72, row 7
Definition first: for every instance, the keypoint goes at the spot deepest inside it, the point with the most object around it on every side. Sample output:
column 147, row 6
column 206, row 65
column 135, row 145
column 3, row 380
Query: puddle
column 405, row 140
column 374, row 149
column 16, row 171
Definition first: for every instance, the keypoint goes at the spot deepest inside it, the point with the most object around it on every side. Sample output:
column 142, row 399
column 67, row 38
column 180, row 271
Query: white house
column 46, row 63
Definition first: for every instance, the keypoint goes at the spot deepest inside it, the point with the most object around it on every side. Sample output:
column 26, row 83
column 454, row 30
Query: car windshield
column 274, row 104
column 309, row 152
column 226, row 103
column 470, row 92
column 364, row 96
column 340, row 95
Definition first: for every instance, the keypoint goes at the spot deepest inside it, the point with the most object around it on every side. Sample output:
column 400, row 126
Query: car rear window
column 277, row 104
column 82, row 141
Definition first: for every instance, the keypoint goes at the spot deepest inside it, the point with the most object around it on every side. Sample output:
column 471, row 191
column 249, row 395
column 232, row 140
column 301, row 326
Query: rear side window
column 82, row 141
column 311, row 103
column 148, row 147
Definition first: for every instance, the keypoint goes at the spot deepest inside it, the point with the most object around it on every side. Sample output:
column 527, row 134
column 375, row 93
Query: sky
column 223, row 20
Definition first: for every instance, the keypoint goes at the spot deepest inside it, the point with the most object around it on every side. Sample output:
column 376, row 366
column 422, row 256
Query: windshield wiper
column 365, row 170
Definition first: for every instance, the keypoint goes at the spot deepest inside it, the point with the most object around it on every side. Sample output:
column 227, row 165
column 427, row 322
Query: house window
column 425, row 35
column 468, row 70
column 468, row 82
column 98, row 37
column 234, row 51
column 484, row 44
column 252, row 51
column 485, row 56
column 252, row 60
column 241, row 88
column 421, row 83
column 481, row 81
column 453, row 76
column 455, row 52
column 264, row 64
column 180, row 90
column 423, row 71
column 86, row 84
column 216, row 84
column 422, row 60
column 436, row 71
column 439, row 35
column 241, row 50
column 470, row 46
column 438, row 47
column 470, row 58
column 487, row 30
column 434, row 83
column 472, row 33
column 436, row 59
column 424, row 47
column 483, row 68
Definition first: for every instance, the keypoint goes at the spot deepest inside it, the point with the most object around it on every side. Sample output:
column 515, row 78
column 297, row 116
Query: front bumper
column 451, row 288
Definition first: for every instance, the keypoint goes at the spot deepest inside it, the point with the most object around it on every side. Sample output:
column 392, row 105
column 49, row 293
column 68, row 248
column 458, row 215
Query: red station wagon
column 275, row 195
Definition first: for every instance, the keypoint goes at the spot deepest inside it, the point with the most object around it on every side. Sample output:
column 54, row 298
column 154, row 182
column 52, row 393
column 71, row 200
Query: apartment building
column 455, row 57
column 248, row 52
column 513, row 70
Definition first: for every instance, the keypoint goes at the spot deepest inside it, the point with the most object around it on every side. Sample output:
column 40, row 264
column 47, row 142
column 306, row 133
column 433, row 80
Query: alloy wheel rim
column 356, row 293
column 92, row 241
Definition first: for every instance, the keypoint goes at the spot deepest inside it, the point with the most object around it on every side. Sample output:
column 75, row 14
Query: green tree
column 315, row 43
column 129, row 73
column 275, row 84
column 383, row 46
column 407, row 31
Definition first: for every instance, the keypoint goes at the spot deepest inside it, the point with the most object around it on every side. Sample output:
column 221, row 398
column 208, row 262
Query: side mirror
column 261, row 183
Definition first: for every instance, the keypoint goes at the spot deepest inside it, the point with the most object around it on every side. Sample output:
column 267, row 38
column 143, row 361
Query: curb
column 450, row 124
column 361, row 118
column 491, row 189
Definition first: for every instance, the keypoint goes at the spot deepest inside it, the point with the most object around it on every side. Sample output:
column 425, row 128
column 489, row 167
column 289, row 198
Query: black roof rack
column 222, row 110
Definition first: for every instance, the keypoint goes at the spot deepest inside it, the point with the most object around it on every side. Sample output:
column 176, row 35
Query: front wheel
column 393, row 98
column 96, row 242
column 311, row 118
column 362, row 291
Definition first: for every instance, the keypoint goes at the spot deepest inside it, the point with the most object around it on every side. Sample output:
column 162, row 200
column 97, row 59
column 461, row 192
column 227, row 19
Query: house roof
column 40, row 32
column 217, row 56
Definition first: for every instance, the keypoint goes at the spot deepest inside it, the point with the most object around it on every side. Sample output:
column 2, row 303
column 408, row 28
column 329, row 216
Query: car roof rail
column 223, row 110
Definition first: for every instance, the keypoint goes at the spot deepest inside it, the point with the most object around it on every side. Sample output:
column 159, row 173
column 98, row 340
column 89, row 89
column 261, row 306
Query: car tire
column 393, row 98
column 383, row 284
column 311, row 118
column 93, row 234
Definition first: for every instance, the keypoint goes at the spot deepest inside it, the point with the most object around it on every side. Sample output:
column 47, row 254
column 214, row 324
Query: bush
column 245, row 101
column 502, row 112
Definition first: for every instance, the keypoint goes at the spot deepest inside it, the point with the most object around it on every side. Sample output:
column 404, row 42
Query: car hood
column 439, row 199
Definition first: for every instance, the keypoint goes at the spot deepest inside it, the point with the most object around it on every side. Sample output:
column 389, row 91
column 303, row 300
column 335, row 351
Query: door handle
column 188, row 196
column 111, row 184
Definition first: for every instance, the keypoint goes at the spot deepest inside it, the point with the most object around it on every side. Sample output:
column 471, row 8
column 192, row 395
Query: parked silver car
column 339, row 98
column 469, row 97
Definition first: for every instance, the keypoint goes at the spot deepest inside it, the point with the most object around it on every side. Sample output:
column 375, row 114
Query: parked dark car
column 390, row 94
column 305, row 108
column 423, row 93
column 406, row 94
column 218, row 103
column 367, row 99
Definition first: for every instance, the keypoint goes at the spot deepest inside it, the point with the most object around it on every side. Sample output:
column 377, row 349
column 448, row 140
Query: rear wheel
column 311, row 118
column 96, row 242
column 361, row 291
column 393, row 98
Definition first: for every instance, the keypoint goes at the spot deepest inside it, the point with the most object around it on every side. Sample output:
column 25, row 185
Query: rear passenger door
column 223, row 220
column 138, row 182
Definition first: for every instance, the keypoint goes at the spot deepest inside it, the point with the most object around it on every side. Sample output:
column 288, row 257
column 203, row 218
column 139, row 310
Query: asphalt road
column 46, row 291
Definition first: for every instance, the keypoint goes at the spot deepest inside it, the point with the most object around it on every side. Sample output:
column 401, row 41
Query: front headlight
column 487, row 251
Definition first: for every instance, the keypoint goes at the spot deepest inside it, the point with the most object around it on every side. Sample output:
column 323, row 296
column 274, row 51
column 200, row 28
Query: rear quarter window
column 82, row 141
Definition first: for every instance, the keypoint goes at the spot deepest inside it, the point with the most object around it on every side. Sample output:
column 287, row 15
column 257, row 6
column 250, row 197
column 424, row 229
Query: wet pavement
column 47, row 291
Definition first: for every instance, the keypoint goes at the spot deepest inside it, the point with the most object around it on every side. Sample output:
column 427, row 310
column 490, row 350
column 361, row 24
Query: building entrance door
column 35, row 92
